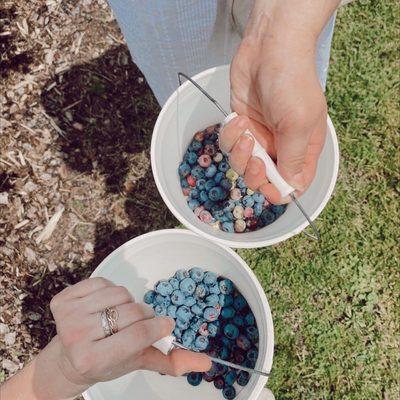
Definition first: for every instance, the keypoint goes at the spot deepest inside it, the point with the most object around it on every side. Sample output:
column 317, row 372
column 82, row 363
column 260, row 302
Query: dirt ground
column 72, row 118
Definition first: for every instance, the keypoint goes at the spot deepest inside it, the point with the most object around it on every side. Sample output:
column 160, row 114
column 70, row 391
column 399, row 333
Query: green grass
column 336, row 307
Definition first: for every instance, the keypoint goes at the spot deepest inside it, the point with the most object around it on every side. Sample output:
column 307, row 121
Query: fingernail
column 245, row 141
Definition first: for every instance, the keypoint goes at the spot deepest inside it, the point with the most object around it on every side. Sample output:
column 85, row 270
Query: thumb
column 291, row 155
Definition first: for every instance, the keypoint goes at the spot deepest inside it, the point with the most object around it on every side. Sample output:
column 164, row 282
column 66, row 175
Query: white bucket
column 141, row 262
column 171, row 139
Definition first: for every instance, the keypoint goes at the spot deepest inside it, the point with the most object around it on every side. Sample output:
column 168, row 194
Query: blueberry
column 190, row 157
column 162, row 300
column 278, row 210
column 228, row 227
column 184, row 169
column 201, row 343
column 188, row 337
column 177, row 332
column 201, row 291
column 258, row 198
column 182, row 325
column 258, row 208
column 197, row 274
column 231, row 331
column 187, row 286
column 171, row 311
column 214, row 289
column 216, row 193
column 218, row 177
column 249, row 363
column 213, row 329
column 177, row 297
column 195, row 378
column 160, row 310
column 238, row 320
column 208, row 377
column 201, row 184
column 239, row 355
column 243, row 342
column 196, row 322
column 225, row 300
column 252, row 333
column 203, row 196
column 189, row 301
column 248, row 201
column 218, row 215
column 194, row 194
column 228, row 205
column 197, row 172
column 149, row 297
column 210, row 314
column 164, row 288
column 249, row 319
column 267, row 217
column 196, row 145
column 227, row 342
column 228, row 216
column 193, row 203
column 219, row 382
column 239, row 303
column 211, row 171
column 226, row 184
column 212, row 300
column 181, row 274
column 210, row 278
column 184, row 183
column 223, row 166
column 209, row 205
column 184, row 313
column 209, row 185
column 226, row 286
column 174, row 283
column 197, row 309
column 229, row 392
column 252, row 354
column 243, row 378
column 230, row 378
column 240, row 183
column 225, row 353
column 228, row 312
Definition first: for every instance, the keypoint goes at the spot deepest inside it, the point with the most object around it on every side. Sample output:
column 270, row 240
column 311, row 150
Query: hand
column 276, row 92
column 88, row 357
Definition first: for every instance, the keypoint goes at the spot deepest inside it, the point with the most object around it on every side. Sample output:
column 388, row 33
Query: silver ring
column 105, row 324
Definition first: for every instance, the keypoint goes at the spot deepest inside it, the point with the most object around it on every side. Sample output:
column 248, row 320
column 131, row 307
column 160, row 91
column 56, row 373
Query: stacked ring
column 105, row 324
column 112, row 317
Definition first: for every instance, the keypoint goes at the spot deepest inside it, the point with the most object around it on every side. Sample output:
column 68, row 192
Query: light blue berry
column 210, row 314
column 218, row 177
column 214, row 288
column 211, row 171
column 248, row 201
column 182, row 325
column 212, row 300
column 162, row 300
column 188, row 337
column 212, row 329
column 171, row 311
column 177, row 333
column 181, row 274
column 184, row 313
column 210, row 278
column 201, row 291
column 197, row 309
column 225, row 300
column 258, row 198
column 187, row 286
column 228, row 227
column 209, row 185
column 226, row 286
column 197, row 274
column 149, row 297
column 201, row 343
column 189, row 301
column 258, row 208
column 193, row 203
column 177, row 297
column 160, row 310
column 164, row 288
column 174, row 283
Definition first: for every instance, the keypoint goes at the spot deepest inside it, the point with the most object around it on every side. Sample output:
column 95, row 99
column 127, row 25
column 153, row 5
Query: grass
column 336, row 307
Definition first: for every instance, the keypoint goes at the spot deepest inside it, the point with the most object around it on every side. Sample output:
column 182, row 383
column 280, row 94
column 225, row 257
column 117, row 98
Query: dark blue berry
column 195, row 378
column 229, row 392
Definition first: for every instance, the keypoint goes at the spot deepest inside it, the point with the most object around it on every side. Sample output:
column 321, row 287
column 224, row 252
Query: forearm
column 41, row 379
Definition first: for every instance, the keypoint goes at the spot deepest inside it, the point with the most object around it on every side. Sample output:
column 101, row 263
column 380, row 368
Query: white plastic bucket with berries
column 201, row 190
column 142, row 263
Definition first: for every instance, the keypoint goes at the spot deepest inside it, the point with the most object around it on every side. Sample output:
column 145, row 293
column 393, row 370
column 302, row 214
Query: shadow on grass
column 106, row 112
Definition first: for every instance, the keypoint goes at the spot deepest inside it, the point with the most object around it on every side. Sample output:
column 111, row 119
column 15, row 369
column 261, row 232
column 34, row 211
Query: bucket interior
column 138, row 265
column 173, row 134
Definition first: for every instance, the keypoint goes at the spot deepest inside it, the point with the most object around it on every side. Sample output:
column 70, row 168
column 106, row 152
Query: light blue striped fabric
column 170, row 36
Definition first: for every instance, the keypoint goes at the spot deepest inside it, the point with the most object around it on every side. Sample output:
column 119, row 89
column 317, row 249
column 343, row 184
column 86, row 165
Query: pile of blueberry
column 213, row 317
column 216, row 193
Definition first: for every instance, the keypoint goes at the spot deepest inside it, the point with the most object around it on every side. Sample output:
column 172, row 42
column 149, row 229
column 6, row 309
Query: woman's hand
column 276, row 92
column 89, row 357
column 80, row 354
